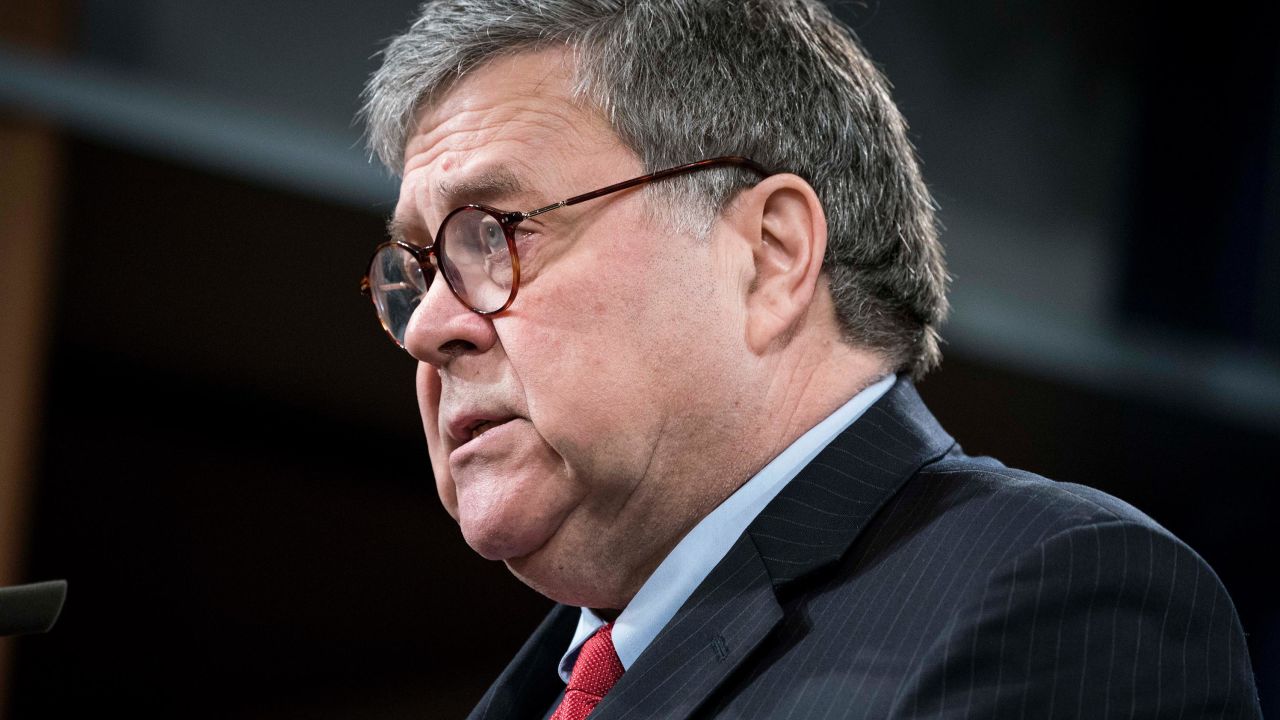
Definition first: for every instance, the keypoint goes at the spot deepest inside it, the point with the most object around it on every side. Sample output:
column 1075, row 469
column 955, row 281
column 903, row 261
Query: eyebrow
column 399, row 231
column 498, row 182
column 495, row 183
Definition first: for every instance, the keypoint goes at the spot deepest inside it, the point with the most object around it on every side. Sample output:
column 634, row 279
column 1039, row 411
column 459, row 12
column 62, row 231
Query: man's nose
column 442, row 327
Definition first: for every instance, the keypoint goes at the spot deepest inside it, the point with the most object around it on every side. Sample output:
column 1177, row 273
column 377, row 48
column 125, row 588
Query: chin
column 502, row 520
column 501, row 541
column 567, row 581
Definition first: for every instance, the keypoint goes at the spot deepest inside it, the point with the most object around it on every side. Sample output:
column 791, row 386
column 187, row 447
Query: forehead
column 509, row 131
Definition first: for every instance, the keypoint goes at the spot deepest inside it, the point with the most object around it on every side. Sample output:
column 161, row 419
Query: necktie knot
column 594, row 674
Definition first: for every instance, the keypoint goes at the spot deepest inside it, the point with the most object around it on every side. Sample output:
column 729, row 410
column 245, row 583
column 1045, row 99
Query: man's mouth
column 466, row 429
column 484, row 426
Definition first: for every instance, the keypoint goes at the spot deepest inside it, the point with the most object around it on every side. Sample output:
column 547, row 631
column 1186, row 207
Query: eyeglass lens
column 477, row 258
column 474, row 256
column 397, row 284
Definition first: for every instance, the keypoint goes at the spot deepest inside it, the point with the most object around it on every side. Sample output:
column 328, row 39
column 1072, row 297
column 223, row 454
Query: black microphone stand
column 31, row 608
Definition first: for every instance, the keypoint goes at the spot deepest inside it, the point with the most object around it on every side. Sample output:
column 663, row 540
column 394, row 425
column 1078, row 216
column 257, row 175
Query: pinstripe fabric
column 896, row 577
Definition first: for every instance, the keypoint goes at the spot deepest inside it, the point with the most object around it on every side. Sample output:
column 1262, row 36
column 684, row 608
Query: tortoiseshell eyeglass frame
column 509, row 220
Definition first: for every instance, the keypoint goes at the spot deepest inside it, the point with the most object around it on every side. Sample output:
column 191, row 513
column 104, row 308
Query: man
column 681, row 404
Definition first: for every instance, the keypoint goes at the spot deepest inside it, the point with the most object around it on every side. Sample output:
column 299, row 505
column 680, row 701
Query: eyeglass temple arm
column 651, row 177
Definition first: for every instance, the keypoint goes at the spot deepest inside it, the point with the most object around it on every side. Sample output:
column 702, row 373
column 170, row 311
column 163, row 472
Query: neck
column 802, row 384
column 808, row 385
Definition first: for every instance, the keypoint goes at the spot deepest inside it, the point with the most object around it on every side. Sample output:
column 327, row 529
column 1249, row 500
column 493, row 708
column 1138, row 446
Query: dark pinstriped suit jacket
column 897, row 577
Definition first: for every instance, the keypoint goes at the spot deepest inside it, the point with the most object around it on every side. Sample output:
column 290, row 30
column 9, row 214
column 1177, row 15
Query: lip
column 459, row 428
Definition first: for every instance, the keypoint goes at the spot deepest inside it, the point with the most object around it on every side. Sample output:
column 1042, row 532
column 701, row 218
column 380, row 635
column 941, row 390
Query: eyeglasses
column 475, row 248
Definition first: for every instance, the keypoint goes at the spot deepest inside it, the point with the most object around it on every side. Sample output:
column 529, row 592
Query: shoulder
column 978, row 499
column 1056, row 502
column 1076, row 597
column 997, row 523
column 960, row 524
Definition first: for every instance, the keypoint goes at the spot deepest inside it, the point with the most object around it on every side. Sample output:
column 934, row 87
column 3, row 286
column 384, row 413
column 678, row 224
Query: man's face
column 594, row 392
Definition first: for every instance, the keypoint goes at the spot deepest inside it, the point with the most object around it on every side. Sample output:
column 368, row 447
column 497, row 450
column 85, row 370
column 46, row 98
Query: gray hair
column 780, row 81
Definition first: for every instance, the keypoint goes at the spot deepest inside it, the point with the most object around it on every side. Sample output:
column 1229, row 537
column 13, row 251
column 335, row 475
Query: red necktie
column 594, row 673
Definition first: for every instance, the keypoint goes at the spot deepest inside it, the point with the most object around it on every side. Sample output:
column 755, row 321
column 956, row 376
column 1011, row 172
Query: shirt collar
column 697, row 554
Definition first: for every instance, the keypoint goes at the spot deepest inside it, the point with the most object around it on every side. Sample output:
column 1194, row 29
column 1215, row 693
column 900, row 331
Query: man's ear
column 784, row 222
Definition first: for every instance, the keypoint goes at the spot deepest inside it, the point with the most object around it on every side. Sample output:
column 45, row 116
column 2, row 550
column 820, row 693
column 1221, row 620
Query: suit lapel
column 809, row 525
column 721, row 623
column 529, row 684
column 820, row 513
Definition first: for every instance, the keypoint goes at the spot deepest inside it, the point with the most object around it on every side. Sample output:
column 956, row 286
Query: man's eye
column 493, row 237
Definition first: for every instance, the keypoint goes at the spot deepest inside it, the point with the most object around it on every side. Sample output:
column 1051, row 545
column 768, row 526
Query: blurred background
column 203, row 428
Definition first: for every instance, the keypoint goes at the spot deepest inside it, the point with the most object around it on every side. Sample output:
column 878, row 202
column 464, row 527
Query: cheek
column 581, row 329
column 589, row 350
column 429, row 406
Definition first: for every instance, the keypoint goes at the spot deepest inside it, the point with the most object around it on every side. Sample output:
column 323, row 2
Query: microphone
column 31, row 608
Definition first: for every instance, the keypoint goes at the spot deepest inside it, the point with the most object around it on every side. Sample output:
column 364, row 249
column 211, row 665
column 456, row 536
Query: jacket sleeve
column 1111, row 619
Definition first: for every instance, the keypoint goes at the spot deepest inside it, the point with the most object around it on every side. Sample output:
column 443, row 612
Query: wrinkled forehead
column 510, row 130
